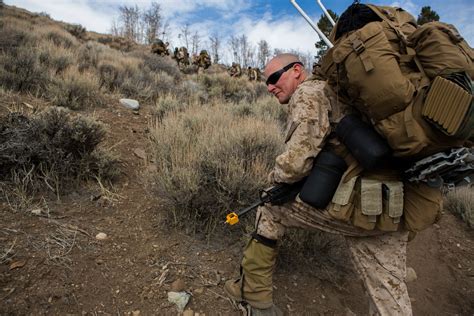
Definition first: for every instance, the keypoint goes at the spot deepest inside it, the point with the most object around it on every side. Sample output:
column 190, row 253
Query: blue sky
column 276, row 21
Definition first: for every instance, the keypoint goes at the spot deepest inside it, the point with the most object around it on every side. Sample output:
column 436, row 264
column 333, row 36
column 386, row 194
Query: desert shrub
column 216, row 69
column 88, row 55
column 260, row 89
column 264, row 108
column 15, row 34
column 147, row 86
column 57, row 36
column 268, row 107
column 168, row 104
column 52, row 149
column 460, row 201
column 111, row 75
column 209, row 161
column 118, row 43
column 222, row 86
column 56, row 59
column 76, row 30
column 22, row 71
column 75, row 90
column 157, row 63
column 192, row 91
column 243, row 109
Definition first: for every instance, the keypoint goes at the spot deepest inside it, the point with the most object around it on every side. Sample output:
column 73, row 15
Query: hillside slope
column 58, row 267
column 52, row 263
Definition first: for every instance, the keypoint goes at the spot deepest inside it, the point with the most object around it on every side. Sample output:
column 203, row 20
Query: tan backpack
column 413, row 83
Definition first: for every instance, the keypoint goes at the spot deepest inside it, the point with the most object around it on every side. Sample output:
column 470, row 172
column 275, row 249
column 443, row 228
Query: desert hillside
column 107, row 209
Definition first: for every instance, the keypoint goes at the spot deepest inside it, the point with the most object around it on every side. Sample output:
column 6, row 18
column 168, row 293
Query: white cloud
column 78, row 11
column 285, row 33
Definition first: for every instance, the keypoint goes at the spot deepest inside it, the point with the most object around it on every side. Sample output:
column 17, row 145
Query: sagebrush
column 52, row 150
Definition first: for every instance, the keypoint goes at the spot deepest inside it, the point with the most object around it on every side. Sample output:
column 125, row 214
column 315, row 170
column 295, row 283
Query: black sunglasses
column 274, row 77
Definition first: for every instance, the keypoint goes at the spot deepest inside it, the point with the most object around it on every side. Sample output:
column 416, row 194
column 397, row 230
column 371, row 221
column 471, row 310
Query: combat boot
column 254, row 287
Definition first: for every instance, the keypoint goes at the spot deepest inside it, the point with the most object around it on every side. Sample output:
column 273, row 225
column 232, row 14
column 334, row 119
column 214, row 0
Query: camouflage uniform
column 182, row 57
column 252, row 74
column 379, row 256
column 160, row 48
column 235, row 70
column 203, row 61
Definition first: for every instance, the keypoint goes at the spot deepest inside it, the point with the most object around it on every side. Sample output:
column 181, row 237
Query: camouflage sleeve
column 308, row 126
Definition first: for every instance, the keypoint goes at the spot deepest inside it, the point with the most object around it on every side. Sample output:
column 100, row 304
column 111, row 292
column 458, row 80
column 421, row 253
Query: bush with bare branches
column 52, row 148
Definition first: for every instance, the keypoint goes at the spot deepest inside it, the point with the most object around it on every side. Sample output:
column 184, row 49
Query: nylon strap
column 359, row 48
column 400, row 34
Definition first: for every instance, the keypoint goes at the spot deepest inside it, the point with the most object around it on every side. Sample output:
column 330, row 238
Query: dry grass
column 209, row 161
column 460, row 201
column 75, row 90
column 235, row 90
column 22, row 71
column 48, row 61
column 55, row 59
column 169, row 103
column 57, row 35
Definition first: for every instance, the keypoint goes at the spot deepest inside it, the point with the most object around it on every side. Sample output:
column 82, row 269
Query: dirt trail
column 59, row 267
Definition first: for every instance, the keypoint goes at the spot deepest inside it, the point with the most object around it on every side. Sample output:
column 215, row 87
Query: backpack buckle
column 358, row 46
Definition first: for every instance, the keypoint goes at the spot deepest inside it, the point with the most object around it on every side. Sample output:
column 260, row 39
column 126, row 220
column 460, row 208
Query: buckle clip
column 358, row 46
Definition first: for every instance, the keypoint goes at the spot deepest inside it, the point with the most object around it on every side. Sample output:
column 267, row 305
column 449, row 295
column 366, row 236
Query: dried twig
column 7, row 254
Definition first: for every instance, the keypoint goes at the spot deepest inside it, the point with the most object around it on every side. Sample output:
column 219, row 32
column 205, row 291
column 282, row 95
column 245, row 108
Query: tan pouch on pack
column 410, row 135
column 381, row 204
column 342, row 204
column 422, row 206
column 373, row 72
column 441, row 49
column 392, row 195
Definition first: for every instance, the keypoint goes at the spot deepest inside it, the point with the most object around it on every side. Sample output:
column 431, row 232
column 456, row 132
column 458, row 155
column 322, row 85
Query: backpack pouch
column 448, row 107
column 341, row 206
column 373, row 72
column 441, row 49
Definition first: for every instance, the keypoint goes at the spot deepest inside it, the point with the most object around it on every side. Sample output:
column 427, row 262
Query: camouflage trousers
column 379, row 257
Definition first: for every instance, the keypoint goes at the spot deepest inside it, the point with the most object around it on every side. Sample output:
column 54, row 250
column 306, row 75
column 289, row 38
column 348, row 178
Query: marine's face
column 281, row 82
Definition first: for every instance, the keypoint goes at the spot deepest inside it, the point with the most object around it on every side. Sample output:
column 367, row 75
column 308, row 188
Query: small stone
column 140, row 153
column 136, row 313
column 411, row 275
column 199, row 290
column 180, row 299
column 130, row 103
column 36, row 212
column 99, row 261
column 178, row 286
column 101, row 236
